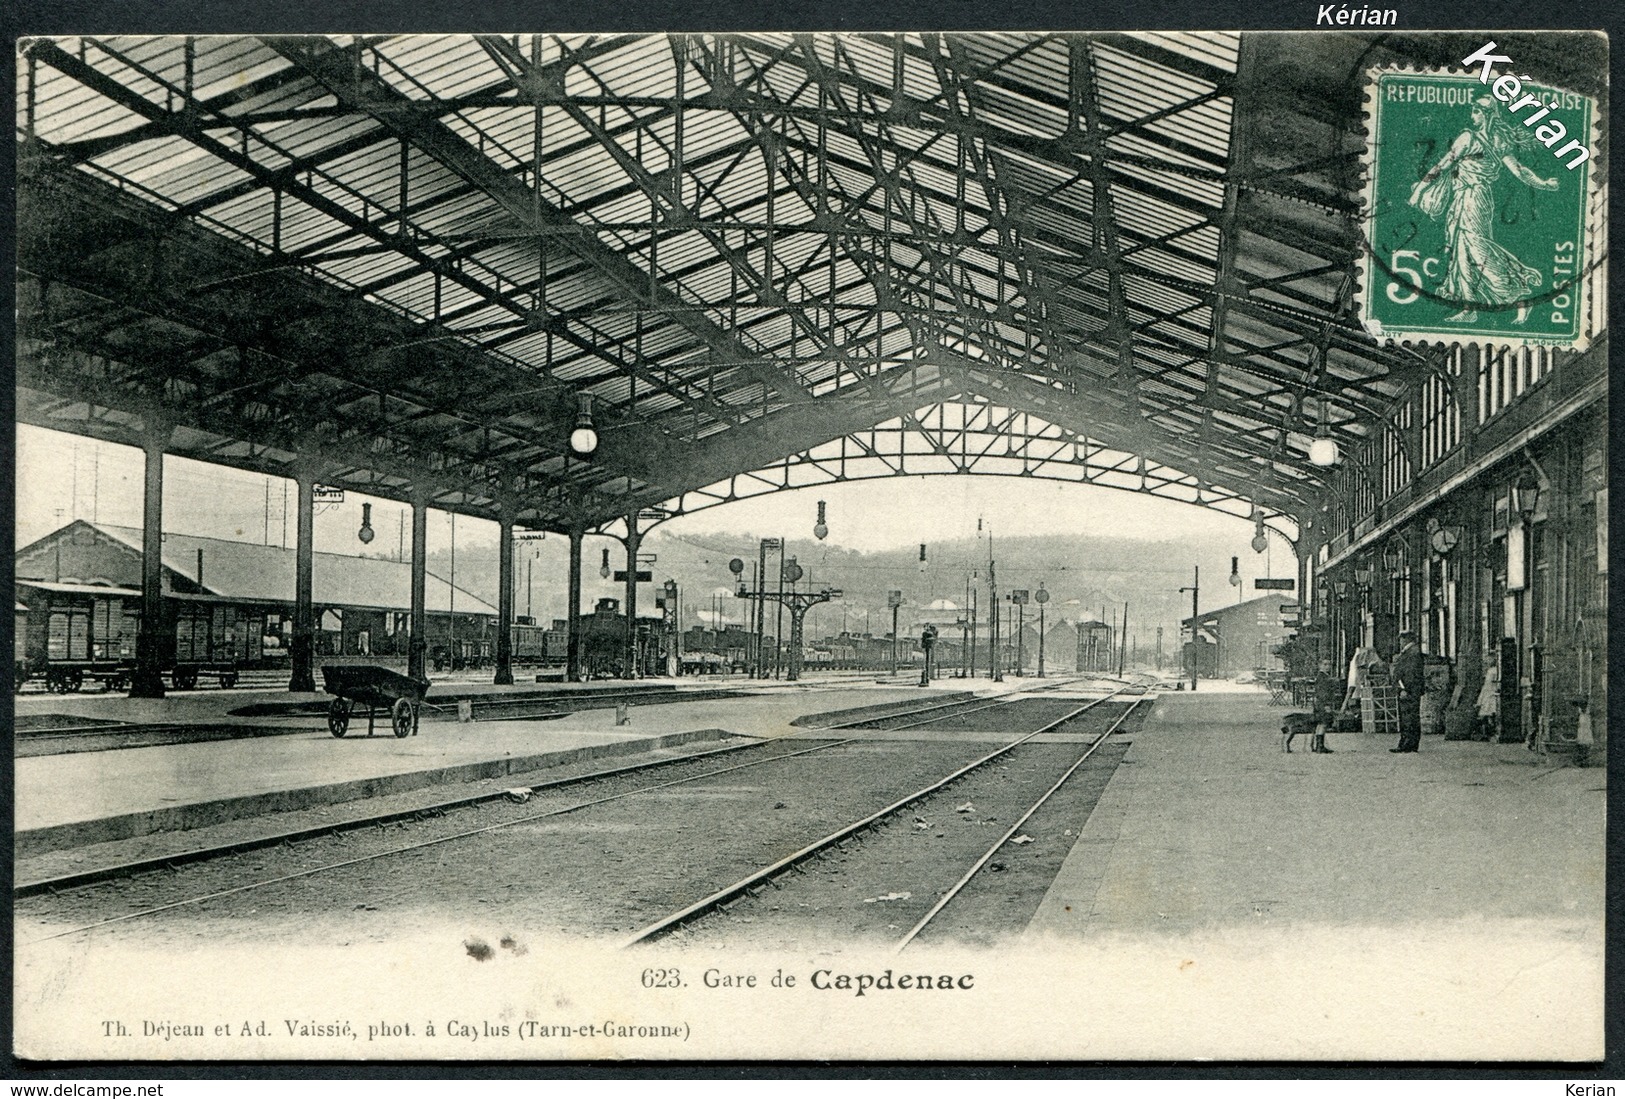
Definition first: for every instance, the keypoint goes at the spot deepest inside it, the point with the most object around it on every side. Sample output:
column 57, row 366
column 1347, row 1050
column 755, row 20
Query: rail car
column 540, row 646
column 70, row 634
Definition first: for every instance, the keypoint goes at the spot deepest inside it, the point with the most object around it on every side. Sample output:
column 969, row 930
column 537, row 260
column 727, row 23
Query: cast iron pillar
column 418, row 646
column 633, row 540
column 304, row 626
column 504, row 674
column 572, row 610
column 147, row 681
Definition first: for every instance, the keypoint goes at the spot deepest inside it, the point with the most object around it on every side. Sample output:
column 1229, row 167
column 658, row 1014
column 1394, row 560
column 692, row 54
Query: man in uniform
column 1407, row 676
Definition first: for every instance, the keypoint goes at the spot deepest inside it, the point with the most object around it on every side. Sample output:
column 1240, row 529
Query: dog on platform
column 1306, row 724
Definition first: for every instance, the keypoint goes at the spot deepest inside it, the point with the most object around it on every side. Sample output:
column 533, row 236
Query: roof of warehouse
column 75, row 589
column 1269, row 602
column 265, row 574
column 405, row 257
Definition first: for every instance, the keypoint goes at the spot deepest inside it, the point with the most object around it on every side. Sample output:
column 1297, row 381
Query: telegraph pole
column 778, row 628
column 973, row 631
column 760, row 580
column 1196, row 586
column 993, row 613
column 894, row 599
column 1042, row 597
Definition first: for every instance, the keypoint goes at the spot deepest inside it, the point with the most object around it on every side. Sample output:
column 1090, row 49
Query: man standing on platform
column 1407, row 675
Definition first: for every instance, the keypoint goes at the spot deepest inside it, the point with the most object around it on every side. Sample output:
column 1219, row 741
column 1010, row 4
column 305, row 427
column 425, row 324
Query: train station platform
column 1208, row 823
column 262, row 703
column 1315, row 906
column 76, row 799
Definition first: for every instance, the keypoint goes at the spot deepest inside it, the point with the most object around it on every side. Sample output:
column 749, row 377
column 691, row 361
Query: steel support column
column 1301, row 550
column 419, row 646
column 304, row 628
column 633, row 541
column 504, row 672
column 572, row 610
column 148, row 678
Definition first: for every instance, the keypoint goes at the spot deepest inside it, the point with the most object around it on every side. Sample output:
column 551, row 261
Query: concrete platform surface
column 1207, row 825
column 98, row 796
column 215, row 706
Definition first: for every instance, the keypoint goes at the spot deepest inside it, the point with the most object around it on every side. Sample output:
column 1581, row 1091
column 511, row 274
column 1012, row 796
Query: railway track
column 760, row 879
column 280, row 839
column 132, row 868
column 930, row 713
column 148, row 866
column 1011, row 833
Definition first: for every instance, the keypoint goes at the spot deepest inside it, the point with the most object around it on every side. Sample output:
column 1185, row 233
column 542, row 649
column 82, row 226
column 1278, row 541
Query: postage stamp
column 1478, row 184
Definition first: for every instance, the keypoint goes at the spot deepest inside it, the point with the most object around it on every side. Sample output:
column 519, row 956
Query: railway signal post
column 798, row 603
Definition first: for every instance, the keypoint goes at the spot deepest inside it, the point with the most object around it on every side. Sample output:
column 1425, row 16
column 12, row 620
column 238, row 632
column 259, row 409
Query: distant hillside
column 1085, row 576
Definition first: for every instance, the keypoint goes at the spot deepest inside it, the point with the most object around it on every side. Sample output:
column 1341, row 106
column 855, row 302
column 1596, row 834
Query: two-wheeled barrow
column 376, row 688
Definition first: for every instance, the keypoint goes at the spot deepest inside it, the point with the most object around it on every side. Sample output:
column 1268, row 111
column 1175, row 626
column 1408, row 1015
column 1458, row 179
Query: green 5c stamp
column 1477, row 190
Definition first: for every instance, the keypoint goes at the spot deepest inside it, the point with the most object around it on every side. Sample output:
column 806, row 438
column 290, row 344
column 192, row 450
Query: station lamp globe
column 603, row 569
column 1323, row 448
column 584, row 439
column 366, row 532
column 821, row 528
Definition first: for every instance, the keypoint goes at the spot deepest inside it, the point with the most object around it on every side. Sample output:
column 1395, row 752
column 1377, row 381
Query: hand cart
column 376, row 688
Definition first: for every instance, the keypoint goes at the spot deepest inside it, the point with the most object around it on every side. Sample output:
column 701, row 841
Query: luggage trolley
column 376, row 688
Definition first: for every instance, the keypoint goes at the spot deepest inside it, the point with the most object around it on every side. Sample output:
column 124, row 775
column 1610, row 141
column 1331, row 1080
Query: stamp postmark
column 1477, row 191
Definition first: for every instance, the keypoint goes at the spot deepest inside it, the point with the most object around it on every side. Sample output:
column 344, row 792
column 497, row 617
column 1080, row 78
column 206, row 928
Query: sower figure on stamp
column 1407, row 674
column 1461, row 187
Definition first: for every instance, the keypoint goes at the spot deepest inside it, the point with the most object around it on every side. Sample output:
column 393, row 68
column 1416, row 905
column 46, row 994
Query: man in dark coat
column 1328, row 696
column 1407, row 676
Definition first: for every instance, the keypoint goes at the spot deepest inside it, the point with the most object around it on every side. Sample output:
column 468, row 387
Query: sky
column 61, row 477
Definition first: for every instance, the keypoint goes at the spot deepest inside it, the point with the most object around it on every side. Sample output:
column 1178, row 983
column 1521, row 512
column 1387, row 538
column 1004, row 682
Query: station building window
column 1440, row 598
column 1505, row 374
column 1441, row 415
column 1396, row 461
column 272, row 636
column 1364, row 493
column 1401, row 592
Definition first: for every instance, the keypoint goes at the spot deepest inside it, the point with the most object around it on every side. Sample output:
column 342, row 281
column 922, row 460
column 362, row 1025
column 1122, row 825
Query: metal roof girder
column 530, row 208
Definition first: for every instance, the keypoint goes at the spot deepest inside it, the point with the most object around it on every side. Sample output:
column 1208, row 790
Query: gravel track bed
column 606, row 869
column 873, row 890
column 946, row 711
column 1029, row 713
column 1000, row 900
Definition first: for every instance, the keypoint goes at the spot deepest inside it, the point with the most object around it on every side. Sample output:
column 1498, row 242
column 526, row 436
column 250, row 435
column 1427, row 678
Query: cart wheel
column 401, row 714
column 338, row 716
